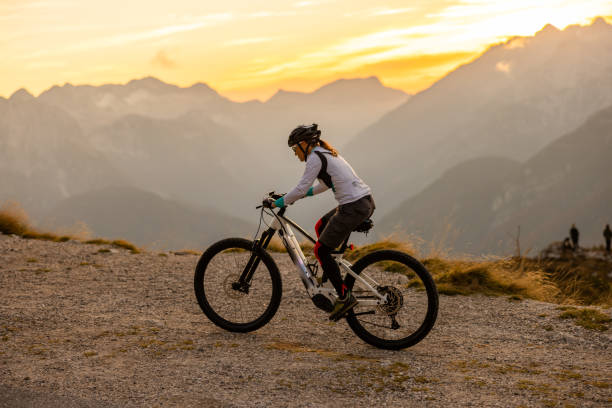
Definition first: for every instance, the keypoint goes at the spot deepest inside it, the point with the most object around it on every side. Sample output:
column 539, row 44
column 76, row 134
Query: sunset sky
column 249, row 49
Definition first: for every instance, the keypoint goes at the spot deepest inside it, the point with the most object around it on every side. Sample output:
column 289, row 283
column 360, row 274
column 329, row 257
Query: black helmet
column 305, row 133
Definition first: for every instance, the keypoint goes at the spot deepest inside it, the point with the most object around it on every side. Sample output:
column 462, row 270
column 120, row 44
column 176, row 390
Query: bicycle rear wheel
column 227, row 301
column 412, row 300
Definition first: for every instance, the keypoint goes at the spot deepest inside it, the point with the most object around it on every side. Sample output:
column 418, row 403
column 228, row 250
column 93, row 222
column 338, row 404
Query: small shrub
column 588, row 318
column 98, row 241
column 13, row 219
column 120, row 243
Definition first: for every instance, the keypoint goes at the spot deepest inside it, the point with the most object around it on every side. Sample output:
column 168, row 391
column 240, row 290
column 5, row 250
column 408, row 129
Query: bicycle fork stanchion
column 244, row 282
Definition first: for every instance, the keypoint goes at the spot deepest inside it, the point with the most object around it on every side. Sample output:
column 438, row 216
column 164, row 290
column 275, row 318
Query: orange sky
column 250, row 49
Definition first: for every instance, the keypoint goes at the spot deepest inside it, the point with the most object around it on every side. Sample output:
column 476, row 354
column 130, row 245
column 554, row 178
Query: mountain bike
column 238, row 285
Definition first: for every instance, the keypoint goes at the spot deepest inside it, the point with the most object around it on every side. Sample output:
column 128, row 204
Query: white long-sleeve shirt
column 347, row 186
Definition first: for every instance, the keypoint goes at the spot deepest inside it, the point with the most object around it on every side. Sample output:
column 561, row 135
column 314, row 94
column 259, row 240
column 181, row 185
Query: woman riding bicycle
column 353, row 195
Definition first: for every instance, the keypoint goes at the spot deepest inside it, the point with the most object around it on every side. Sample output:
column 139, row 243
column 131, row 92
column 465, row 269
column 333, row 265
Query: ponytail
column 329, row 147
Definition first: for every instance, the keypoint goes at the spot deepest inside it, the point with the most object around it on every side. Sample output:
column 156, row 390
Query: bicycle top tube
column 281, row 214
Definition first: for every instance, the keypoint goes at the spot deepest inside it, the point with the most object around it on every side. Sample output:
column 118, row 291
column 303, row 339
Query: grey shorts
column 336, row 225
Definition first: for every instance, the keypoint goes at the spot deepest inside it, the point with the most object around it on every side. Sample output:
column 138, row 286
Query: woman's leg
column 340, row 225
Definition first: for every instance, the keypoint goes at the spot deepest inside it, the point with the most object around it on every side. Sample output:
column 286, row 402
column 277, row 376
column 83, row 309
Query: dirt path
column 120, row 329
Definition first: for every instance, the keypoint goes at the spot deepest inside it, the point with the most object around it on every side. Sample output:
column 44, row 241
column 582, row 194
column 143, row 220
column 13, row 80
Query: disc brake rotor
column 395, row 300
column 230, row 292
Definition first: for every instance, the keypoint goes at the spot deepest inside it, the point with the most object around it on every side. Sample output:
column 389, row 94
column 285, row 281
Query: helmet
column 304, row 133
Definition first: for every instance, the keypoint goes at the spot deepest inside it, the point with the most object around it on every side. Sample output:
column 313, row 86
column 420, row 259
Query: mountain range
column 479, row 205
column 434, row 160
column 188, row 146
column 146, row 219
column 513, row 100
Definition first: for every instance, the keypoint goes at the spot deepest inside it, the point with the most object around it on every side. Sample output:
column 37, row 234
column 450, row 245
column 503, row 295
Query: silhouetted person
column 607, row 233
column 574, row 234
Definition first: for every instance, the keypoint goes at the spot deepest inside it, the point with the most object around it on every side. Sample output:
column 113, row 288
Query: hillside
column 478, row 206
column 454, row 212
column 44, row 156
column 564, row 183
column 147, row 219
column 511, row 101
column 93, row 326
column 189, row 143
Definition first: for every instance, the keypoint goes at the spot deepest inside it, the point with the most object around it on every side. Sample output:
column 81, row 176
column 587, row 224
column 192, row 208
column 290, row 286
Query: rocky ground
column 93, row 326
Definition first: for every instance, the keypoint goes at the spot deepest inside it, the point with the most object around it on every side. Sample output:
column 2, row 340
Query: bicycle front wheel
column 225, row 297
column 410, row 310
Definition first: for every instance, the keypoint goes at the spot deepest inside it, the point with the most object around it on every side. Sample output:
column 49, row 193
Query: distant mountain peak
column 599, row 22
column 150, row 83
column 201, row 86
column 21, row 94
column 548, row 29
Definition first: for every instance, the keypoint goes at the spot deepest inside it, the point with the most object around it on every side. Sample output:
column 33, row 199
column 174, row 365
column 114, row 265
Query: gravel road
column 90, row 326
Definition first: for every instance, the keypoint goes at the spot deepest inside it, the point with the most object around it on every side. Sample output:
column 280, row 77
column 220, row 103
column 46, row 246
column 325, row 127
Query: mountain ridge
column 511, row 101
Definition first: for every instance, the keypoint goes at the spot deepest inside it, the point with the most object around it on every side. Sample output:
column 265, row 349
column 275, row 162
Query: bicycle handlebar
column 267, row 201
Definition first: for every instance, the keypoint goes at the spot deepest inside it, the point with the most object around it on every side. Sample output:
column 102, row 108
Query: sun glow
column 247, row 52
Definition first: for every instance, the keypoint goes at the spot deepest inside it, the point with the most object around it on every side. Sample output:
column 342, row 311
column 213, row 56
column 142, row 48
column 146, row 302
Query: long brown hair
column 329, row 147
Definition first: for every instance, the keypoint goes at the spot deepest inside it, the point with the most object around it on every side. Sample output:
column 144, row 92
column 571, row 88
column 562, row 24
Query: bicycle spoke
column 399, row 318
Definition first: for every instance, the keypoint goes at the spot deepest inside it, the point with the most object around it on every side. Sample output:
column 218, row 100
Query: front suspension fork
column 244, row 282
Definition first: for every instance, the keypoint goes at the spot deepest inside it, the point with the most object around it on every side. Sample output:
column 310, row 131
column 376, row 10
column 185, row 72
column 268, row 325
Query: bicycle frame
column 282, row 225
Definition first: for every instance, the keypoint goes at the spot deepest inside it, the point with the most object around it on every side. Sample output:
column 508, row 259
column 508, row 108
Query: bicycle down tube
column 283, row 226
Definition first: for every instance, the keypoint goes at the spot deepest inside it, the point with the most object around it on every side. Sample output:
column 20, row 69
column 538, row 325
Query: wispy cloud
column 119, row 39
column 300, row 4
column 303, row 4
column 35, row 65
column 161, row 59
column 248, row 41
column 389, row 12
column 265, row 14
column 32, row 5
column 357, row 51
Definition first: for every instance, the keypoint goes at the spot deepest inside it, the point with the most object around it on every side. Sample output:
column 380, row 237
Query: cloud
column 388, row 12
column 503, row 66
column 36, row 65
column 264, row 14
column 161, row 59
column 424, row 62
column 118, row 40
column 248, row 41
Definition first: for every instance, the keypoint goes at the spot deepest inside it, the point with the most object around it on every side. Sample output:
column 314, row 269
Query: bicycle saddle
column 364, row 226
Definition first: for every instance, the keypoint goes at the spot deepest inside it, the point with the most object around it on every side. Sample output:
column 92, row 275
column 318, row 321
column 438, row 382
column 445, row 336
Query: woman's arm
column 313, row 166
column 319, row 188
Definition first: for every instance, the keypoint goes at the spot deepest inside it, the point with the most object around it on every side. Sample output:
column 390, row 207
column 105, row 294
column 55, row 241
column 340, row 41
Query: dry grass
column 588, row 318
column 575, row 280
column 579, row 281
column 403, row 246
column 494, row 278
column 14, row 220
